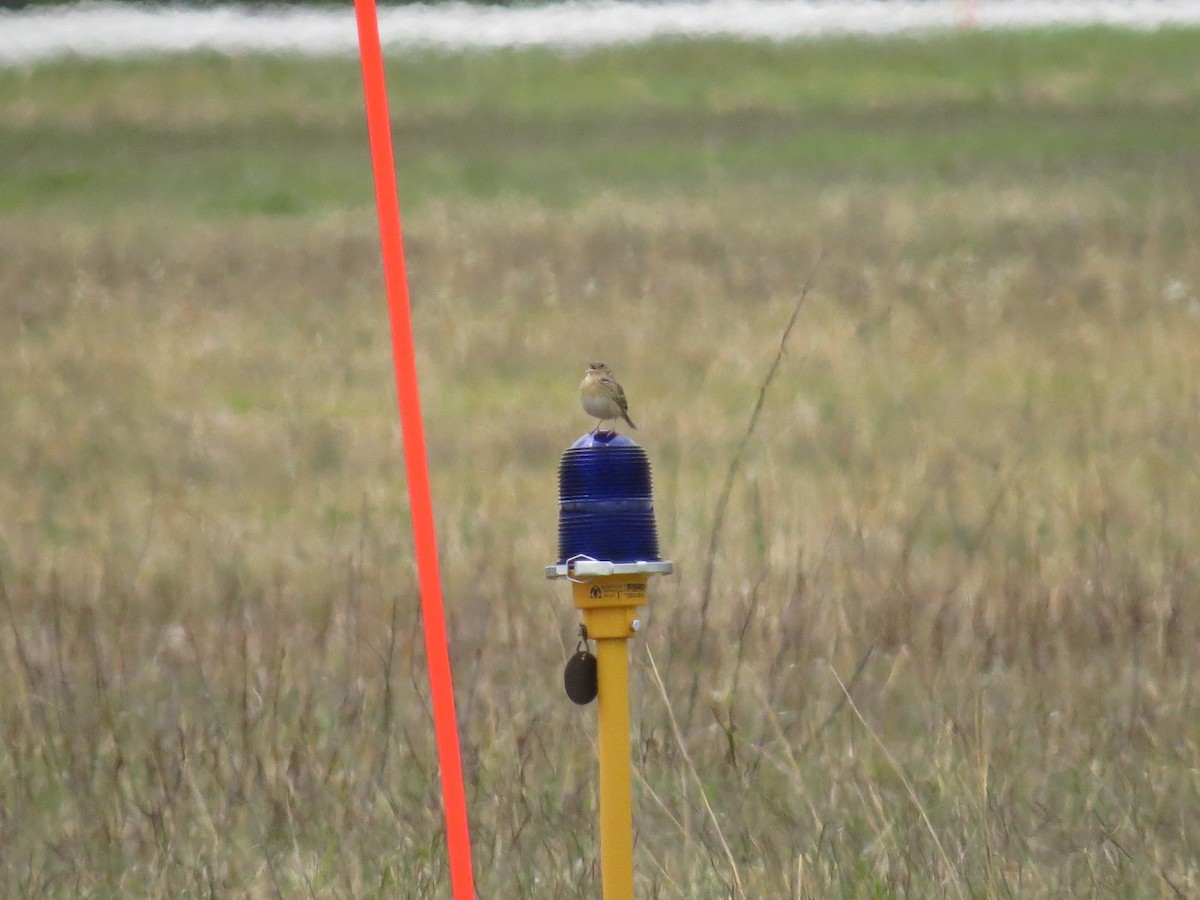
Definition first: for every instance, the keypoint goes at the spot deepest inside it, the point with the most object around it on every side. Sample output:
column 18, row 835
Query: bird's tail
column 625, row 416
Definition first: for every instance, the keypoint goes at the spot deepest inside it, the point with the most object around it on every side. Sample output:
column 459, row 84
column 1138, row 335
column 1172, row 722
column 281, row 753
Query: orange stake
column 445, row 721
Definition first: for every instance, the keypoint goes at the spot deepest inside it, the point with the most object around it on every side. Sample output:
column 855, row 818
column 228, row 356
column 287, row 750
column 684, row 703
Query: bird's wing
column 617, row 392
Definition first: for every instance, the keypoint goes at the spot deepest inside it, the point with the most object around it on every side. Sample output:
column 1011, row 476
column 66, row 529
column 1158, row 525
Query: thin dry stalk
column 691, row 768
column 735, row 463
column 912, row 794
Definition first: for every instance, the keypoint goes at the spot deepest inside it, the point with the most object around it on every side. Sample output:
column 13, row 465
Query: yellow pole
column 609, row 604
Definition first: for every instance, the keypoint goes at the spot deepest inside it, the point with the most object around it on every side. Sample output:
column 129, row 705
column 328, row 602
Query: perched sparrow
column 602, row 397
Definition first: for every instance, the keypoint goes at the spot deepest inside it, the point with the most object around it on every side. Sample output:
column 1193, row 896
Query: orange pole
column 445, row 721
column 970, row 10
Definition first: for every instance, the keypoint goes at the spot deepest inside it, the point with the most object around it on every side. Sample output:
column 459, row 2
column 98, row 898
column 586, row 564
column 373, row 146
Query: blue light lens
column 606, row 508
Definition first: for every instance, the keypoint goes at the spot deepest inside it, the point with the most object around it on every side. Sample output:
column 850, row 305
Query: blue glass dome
column 605, row 505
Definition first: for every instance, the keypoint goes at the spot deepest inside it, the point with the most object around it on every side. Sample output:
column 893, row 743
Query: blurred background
column 941, row 638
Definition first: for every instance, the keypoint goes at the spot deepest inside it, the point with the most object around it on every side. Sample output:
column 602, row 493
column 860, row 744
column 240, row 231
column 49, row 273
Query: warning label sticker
column 618, row 592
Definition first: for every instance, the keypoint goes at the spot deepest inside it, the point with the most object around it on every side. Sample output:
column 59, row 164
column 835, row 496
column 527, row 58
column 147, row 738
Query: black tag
column 579, row 678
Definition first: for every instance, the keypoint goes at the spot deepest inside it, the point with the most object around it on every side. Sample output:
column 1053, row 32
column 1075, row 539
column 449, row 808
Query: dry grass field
column 950, row 643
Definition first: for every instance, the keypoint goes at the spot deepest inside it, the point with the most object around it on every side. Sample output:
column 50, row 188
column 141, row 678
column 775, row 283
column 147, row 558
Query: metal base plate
column 584, row 567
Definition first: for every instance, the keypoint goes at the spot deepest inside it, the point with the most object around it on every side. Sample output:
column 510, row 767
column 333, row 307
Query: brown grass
column 956, row 605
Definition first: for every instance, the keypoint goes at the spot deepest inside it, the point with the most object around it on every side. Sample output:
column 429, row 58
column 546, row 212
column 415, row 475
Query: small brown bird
column 602, row 397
